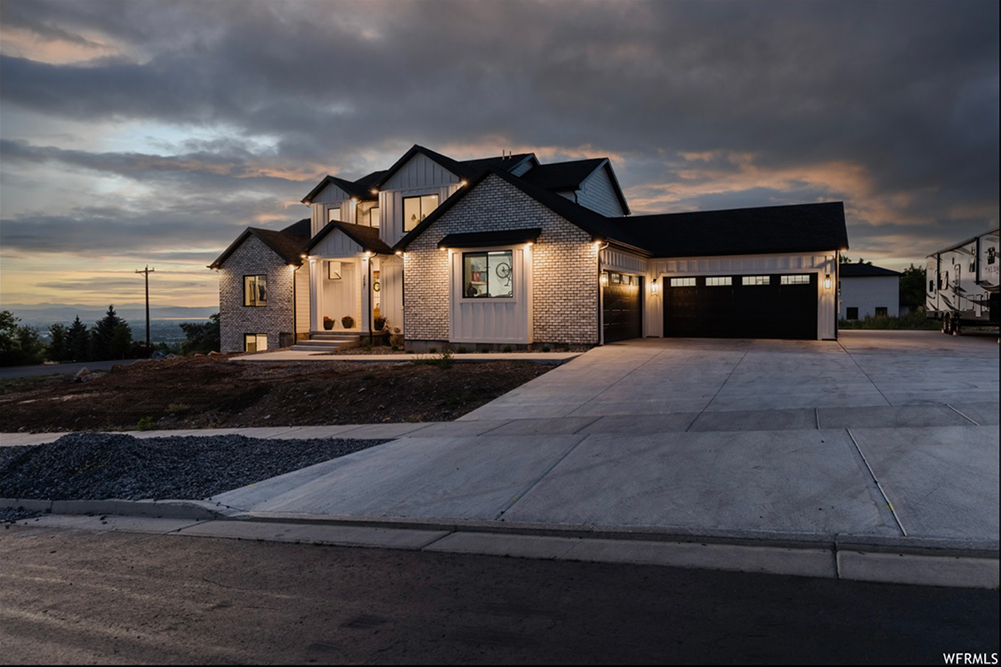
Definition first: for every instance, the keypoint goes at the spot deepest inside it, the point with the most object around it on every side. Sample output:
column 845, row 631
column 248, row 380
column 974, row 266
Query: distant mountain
column 134, row 313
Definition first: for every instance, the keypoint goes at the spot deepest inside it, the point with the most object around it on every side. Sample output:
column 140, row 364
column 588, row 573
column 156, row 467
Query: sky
column 152, row 133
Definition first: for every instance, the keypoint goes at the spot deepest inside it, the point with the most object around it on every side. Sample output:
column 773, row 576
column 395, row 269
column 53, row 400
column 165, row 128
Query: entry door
column 622, row 311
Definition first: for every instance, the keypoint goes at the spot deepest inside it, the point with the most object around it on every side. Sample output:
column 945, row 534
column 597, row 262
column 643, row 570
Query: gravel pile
column 97, row 466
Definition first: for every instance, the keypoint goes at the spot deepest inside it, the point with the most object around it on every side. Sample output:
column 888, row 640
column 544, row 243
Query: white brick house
column 506, row 251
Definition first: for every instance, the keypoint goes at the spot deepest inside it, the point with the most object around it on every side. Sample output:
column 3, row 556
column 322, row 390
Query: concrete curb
column 927, row 562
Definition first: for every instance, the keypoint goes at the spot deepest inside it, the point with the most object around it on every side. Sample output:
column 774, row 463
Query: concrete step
column 333, row 335
column 317, row 345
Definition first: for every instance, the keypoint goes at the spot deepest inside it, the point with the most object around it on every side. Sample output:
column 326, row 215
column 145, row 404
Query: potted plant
column 380, row 323
column 348, row 321
column 328, row 323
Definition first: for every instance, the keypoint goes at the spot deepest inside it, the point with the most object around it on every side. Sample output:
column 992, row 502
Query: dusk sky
column 153, row 132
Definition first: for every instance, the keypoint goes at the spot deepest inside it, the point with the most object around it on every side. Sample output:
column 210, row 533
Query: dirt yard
column 212, row 392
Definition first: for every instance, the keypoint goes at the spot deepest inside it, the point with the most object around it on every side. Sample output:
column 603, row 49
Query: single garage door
column 761, row 306
column 622, row 306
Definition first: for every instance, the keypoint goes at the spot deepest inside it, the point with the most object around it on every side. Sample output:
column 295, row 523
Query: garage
column 742, row 306
column 622, row 306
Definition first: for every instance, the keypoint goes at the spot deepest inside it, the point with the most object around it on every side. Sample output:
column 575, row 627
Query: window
column 616, row 278
column 931, row 285
column 255, row 291
column 852, row 313
column 373, row 216
column 719, row 281
column 682, row 282
column 487, row 274
column 415, row 209
column 255, row 342
column 881, row 311
column 334, row 214
column 756, row 280
column 802, row 279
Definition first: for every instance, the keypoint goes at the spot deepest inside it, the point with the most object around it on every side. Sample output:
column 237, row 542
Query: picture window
column 415, row 209
column 255, row 290
column 487, row 274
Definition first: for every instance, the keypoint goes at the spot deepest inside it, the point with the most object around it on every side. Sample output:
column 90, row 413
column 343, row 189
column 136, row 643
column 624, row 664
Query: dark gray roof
column 741, row 231
column 487, row 239
column 288, row 242
column 366, row 237
column 568, row 176
column 360, row 189
column 856, row 270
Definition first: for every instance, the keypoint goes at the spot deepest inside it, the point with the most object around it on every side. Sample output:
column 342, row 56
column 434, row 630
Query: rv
column 962, row 285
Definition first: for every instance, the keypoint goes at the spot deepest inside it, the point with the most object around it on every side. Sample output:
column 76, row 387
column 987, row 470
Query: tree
column 111, row 337
column 57, row 343
column 202, row 338
column 19, row 343
column 912, row 287
column 77, row 341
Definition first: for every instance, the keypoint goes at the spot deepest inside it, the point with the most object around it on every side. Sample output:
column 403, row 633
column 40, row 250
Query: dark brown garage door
column 763, row 306
column 622, row 306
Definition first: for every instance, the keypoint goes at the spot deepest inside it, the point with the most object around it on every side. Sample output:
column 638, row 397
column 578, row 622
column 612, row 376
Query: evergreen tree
column 111, row 337
column 77, row 341
column 202, row 338
column 57, row 343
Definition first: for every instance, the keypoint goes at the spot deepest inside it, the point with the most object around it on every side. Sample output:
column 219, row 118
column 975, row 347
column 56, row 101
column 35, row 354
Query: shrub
column 507, row 348
column 145, row 424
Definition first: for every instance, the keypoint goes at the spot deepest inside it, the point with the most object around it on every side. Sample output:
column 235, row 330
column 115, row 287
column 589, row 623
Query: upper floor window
column 373, row 217
column 255, row 290
column 334, row 214
column 487, row 274
column 415, row 209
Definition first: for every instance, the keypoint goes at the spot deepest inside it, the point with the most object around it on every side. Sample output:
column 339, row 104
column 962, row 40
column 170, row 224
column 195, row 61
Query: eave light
column 374, row 191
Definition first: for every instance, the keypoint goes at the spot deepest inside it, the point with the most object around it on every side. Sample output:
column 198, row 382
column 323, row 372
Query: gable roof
column 288, row 243
column 465, row 169
column 570, row 175
column 360, row 189
column 741, row 231
column 366, row 237
column 600, row 227
column 850, row 270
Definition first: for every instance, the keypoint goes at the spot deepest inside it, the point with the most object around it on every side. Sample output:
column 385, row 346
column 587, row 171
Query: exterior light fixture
column 443, row 248
column 303, row 256
column 399, row 253
column 463, row 183
column 827, row 281
column 604, row 279
column 374, row 191
column 654, row 287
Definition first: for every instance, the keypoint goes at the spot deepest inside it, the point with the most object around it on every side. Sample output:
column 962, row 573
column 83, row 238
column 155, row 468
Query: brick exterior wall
column 564, row 267
column 253, row 257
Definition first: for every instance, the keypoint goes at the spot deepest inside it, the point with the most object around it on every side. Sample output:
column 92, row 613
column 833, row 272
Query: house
column 868, row 291
column 506, row 251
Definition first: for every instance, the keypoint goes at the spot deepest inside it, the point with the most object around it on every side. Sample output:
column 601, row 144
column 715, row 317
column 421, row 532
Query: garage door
column 762, row 306
column 622, row 306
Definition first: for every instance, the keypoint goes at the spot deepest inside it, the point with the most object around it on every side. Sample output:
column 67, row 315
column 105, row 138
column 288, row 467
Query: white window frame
column 719, row 281
column 755, row 281
column 423, row 214
column 330, row 210
column 682, row 282
column 795, row 279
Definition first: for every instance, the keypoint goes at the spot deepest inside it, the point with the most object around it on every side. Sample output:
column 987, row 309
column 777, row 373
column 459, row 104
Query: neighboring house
column 868, row 291
column 506, row 251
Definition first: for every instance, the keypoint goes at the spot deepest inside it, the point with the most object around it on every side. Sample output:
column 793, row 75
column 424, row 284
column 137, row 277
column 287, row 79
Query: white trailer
column 962, row 287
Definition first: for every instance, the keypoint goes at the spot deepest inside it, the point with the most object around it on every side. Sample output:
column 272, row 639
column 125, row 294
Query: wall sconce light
column 654, row 287
column 827, row 281
column 604, row 279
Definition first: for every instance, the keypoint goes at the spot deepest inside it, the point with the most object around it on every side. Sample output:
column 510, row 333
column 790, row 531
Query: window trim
column 422, row 214
column 725, row 281
column 683, row 281
column 800, row 279
column 744, row 281
column 253, row 302
column 485, row 251
column 329, row 210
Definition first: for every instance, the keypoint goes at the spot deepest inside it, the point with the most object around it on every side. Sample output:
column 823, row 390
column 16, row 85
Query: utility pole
column 146, row 273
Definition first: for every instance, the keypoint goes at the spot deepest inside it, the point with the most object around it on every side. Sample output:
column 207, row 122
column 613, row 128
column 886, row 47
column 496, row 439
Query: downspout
column 370, row 291
column 295, row 320
column 601, row 299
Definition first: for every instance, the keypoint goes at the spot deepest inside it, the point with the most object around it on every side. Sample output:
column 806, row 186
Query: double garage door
column 762, row 306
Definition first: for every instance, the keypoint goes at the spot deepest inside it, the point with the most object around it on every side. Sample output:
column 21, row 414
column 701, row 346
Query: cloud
column 891, row 107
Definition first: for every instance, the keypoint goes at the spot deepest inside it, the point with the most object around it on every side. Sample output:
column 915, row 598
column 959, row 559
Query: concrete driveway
column 881, row 435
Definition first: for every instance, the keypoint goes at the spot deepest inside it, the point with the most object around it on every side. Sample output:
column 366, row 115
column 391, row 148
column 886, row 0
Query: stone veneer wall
column 564, row 267
column 254, row 257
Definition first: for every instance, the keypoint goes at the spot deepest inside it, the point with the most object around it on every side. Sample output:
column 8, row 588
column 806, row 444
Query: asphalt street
column 74, row 596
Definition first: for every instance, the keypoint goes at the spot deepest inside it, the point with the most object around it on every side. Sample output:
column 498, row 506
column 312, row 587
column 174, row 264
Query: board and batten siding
column 302, row 299
column 598, row 194
column 824, row 263
column 330, row 197
column 391, row 282
column 419, row 176
column 500, row 320
column 613, row 259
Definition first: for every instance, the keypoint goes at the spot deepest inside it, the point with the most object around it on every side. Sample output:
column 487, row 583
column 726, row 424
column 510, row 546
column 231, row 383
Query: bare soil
column 212, row 392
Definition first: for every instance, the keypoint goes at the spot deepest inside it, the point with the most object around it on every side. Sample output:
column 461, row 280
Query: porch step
column 324, row 341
